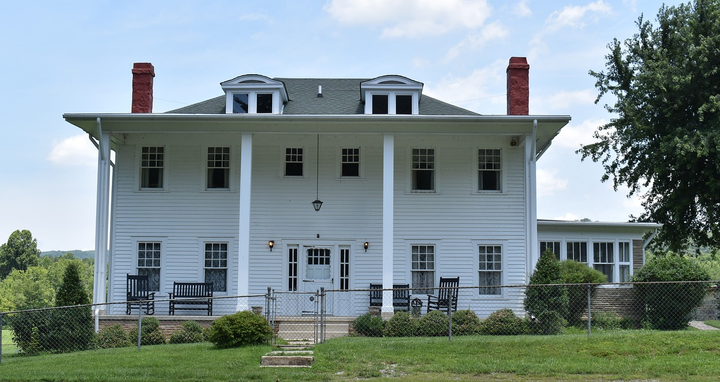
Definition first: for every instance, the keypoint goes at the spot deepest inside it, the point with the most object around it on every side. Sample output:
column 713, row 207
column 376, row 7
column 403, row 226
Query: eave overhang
column 574, row 226
column 504, row 125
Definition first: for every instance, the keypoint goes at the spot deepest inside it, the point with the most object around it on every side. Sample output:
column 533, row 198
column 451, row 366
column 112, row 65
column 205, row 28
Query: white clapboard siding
column 184, row 215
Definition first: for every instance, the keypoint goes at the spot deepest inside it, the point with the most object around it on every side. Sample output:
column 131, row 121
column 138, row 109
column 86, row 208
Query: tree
column 20, row 252
column 664, row 142
column 545, row 299
column 28, row 289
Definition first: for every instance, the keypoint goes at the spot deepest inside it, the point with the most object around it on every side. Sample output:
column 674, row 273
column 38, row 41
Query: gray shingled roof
column 340, row 96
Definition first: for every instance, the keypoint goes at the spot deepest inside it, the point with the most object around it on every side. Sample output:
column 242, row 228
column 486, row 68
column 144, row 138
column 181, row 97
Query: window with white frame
column 344, row 268
column 489, row 170
column 423, row 268
column 554, row 246
column 292, row 260
column 604, row 259
column 391, row 95
column 490, row 269
column 216, row 265
column 423, row 170
column 577, row 251
column 380, row 104
column 350, row 162
column 218, row 168
column 152, row 163
column 403, row 104
column 294, row 161
column 254, row 93
column 148, row 262
column 624, row 257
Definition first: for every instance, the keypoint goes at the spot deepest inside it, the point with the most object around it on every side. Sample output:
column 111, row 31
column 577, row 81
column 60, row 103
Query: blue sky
column 76, row 56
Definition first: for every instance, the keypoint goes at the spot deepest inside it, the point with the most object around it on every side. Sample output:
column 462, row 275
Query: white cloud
column 482, row 91
column 493, row 31
column 73, row 151
column 409, row 18
column 522, row 9
column 564, row 100
column 573, row 135
column 548, row 182
column 575, row 16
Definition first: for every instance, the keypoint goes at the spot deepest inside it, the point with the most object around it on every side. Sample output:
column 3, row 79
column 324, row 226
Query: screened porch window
column 490, row 269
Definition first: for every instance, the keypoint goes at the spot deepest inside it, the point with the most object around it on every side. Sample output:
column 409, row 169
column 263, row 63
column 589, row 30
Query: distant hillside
column 77, row 253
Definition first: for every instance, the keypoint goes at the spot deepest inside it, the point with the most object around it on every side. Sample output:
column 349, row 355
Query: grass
column 714, row 323
column 613, row 355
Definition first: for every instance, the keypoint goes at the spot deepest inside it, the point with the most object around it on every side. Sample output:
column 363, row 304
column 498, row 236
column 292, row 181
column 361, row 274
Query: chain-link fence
column 312, row 317
column 530, row 309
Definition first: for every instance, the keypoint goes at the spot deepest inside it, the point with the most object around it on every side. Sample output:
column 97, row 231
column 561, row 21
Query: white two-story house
column 303, row 183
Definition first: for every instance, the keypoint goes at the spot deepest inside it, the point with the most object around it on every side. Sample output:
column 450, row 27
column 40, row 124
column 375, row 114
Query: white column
column 388, row 237
column 102, row 212
column 243, row 271
column 532, row 244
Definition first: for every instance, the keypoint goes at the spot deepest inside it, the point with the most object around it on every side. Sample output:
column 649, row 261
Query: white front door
column 318, row 271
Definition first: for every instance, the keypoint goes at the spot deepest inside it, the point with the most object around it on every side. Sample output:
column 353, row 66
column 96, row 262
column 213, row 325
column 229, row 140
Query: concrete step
column 296, row 358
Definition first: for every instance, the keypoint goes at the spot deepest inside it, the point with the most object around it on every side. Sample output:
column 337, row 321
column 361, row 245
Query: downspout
column 532, row 201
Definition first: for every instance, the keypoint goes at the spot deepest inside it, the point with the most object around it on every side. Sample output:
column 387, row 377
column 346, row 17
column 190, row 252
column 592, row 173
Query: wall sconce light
column 366, row 245
column 513, row 142
column 271, row 244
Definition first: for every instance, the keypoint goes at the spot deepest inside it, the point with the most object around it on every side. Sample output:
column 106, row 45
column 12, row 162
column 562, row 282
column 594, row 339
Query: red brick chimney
column 518, row 86
column 142, row 87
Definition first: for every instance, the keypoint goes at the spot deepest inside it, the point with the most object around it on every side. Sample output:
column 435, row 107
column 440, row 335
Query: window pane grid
column 148, row 255
column 423, row 268
column 577, row 251
column 292, row 269
column 489, row 169
column 490, row 268
column 553, row 245
column 350, row 162
column 423, row 169
column 293, row 161
column 216, row 265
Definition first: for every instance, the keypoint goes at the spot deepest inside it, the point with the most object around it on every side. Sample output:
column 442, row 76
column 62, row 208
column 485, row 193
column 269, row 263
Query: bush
column 668, row 306
column 151, row 333
column 465, row 323
column 402, row 324
column 369, row 326
column 433, row 324
column 547, row 304
column 502, row 323
column 113, row 336
column 238, row 329
column 189, row 332
column 609, row 321
column 573, row 272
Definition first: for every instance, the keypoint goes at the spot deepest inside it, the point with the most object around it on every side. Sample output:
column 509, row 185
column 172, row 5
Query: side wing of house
column 615, row 249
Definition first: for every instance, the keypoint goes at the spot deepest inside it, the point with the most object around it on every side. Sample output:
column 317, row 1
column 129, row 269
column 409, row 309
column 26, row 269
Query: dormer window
column 254, row 94
column 391, row 95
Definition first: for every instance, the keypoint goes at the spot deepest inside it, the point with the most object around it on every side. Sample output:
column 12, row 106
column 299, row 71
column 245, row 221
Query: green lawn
column 715, row 323
column 622, row 355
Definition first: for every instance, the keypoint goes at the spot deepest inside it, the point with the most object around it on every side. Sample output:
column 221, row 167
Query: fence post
column 589, row 315
column 450, row 319
column 322, row 315
column 139, row 326
column 1, row 322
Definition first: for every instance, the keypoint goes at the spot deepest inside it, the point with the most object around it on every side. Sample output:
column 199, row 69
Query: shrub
column 151, row 333
column 668, row 306
column 573, row 272
column 189, row 332
column 238, row 329
column 503, row 322
column 608, row 321
column 433, row 324
column 402, row 324
column 113, row 336
column 465, row 323
column 548, row 304
column 369, row 326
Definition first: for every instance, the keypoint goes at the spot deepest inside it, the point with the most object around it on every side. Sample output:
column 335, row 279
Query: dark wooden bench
column 139, row 295
column 401, row 296
column 447, row 295
column 191, row 296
